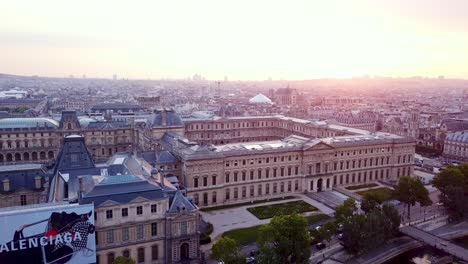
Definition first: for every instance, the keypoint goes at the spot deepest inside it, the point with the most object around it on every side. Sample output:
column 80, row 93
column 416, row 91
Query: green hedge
column 384, row 193
column 207, row 209
column 246, row 236
column 361, row 186
column 269, row 211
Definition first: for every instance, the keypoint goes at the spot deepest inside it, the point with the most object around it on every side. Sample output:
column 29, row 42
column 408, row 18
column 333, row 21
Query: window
column 227, row 194
column 139, row 210
column 110, row 258
column 213, row 180
column 251, row 175
column 154, row 208
column 213, row 197
column 244, row 191
column 259, row 192
column 140, row 231
column 183, row 227
column 154, row 229
column 23, row 200
column 110, row 236
column 227, row 177
column 205, row 181
column 243, row 175
column 126, row 253
column 195, row 182
column 124, row 212
column 154, row 252
column 252, row 192
column 235, row 176
column 125, row 234
column 109, row 214
column 141, row 255
column 267, row 189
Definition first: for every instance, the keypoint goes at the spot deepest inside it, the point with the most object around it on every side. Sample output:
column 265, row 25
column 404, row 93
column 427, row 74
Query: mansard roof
column 165, row 118
column 22, row 176
column 28, row 122
column 122, row 189
column 180, row 203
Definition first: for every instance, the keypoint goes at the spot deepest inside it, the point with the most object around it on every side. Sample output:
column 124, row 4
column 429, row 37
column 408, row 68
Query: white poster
column 48, row 234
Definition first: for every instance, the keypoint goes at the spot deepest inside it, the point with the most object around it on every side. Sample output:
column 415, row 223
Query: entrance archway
column 319, row 185
column 184, row 251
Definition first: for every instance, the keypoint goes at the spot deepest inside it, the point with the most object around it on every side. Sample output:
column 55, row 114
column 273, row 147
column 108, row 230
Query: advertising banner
column 47, row 234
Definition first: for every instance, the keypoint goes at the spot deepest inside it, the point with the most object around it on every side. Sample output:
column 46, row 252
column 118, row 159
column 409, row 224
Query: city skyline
column 241, row 40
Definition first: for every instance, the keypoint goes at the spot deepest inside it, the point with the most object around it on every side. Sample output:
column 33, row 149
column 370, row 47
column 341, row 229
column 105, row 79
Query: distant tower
column 218, row 89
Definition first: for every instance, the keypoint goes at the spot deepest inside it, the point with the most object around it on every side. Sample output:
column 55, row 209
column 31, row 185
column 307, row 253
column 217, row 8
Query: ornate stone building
column 138, row 214
column 38, row 140
column 237, row 159
column 456, row 146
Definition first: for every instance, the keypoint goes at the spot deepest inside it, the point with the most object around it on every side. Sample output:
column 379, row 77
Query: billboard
column 48, row 234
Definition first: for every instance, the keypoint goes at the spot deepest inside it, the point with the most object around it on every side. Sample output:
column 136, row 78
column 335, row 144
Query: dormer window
column 38, row 182
column 6, row 185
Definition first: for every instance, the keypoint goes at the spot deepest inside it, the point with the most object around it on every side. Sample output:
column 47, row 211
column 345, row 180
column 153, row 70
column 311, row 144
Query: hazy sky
column 251, row 39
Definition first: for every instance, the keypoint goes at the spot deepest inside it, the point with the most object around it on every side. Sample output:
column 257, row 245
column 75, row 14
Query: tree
column 452, row 183
column 123, row 260
column 345, row 210
column 328, row 230
column 411, row 190
column 371, row 201
column 364, row 232
column 226, row 250
column 284, row 240
column 392, row 220
column 353, row 237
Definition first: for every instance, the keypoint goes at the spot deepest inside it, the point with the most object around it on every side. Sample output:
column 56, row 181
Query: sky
column 240, row 39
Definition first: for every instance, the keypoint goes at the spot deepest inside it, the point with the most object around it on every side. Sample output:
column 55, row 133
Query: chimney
column 164, row 117
column 81, row 187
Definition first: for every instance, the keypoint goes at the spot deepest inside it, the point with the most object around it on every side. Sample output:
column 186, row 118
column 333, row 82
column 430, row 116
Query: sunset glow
column 238, row 39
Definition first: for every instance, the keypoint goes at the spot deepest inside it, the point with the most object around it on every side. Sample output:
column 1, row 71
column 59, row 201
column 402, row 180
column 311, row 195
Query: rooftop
column 28, row 122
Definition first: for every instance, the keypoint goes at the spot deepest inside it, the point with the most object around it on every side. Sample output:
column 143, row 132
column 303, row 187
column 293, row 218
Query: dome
column 30, row 122
column 261, row 99
column 165, row 118
column 84, row 122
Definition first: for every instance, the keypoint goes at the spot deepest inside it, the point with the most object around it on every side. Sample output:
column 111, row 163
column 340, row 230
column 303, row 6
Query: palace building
column 219, row 161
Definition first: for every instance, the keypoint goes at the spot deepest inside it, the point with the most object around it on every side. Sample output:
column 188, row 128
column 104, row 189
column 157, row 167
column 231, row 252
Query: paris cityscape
column 235, row 132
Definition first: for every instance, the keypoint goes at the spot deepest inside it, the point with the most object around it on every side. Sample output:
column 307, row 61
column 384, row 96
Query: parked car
column 320, row 246
column 340, row 236
column 250, row 260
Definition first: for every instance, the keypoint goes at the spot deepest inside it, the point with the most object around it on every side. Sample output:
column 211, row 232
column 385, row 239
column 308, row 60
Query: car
column 340, row 236
column 318, row 227
column 254, row 253
column 320, row 246
column 340, row 228
column 250, row 260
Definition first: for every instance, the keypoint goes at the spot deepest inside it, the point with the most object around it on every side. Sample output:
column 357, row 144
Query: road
column 436, row 242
